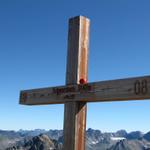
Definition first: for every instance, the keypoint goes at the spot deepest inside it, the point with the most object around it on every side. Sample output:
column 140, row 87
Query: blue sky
column 33, row 47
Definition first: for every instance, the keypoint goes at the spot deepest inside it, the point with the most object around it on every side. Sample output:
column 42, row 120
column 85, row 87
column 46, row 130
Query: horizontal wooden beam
column 137, row 88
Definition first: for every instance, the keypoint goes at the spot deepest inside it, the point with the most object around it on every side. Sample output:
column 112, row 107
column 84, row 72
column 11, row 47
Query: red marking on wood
column 83, row 81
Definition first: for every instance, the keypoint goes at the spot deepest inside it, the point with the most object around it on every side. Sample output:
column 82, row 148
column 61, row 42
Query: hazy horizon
column 86, row 130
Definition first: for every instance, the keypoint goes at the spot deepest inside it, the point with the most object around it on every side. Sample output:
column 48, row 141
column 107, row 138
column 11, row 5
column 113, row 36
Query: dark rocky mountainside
column 131, row 145
column 53, row 139
column 41, row 142
column 147, row 136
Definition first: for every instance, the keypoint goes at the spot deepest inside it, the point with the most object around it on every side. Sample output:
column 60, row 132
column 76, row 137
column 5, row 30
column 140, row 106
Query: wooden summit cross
column 78, row 92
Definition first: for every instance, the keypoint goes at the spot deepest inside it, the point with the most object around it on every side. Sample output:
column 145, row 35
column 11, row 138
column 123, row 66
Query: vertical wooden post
column 77, row 68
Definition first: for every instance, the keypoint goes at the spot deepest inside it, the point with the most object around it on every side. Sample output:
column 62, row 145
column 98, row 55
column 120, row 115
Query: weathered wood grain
column 137, row 88
column 77, row 68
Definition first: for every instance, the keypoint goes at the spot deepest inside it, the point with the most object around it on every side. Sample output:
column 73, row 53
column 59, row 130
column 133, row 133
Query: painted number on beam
column 140, row 87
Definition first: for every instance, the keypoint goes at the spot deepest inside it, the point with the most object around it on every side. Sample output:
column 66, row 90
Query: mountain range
column 53, row 140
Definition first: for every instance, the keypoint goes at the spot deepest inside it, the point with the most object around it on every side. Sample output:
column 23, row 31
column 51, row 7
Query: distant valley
column 53, row 140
